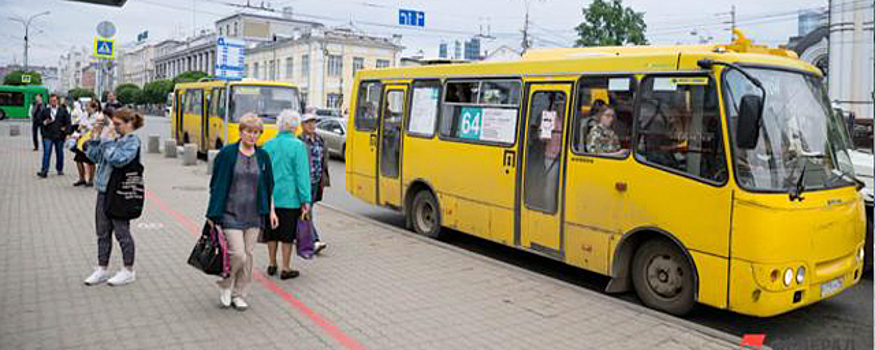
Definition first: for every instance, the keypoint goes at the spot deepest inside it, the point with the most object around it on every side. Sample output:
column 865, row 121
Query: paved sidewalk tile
column 374, row 288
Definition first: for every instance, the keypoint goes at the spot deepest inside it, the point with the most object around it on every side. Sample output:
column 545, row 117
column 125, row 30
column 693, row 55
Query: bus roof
column 215, row 83
column 33, row 88
column 563, row 61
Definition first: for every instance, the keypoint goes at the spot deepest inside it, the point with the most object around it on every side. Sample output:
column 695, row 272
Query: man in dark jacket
column 55, row 122
column 36, row 127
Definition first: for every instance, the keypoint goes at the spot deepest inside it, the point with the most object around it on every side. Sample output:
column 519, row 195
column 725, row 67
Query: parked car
column 333, row 131
column 327, row 113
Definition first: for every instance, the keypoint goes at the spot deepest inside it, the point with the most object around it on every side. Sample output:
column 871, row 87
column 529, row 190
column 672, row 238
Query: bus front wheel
column 663, row 277
column 426, row 214
column 2, row 114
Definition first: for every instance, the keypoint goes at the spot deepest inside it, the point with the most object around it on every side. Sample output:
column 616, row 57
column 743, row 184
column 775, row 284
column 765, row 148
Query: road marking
column 333, row 331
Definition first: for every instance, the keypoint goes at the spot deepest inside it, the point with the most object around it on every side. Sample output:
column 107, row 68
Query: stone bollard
column 154, row 145
column 170, row 148
column 189, row 154
column 211, row 157
column 14, row 130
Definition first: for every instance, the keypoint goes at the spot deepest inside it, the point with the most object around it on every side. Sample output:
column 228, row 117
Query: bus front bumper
column 757, row 292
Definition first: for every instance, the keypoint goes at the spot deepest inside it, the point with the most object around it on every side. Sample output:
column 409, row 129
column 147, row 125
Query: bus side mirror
column 750, row 113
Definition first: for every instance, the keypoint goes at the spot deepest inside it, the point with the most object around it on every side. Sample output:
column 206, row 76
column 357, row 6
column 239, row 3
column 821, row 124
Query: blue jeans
column 47, row 154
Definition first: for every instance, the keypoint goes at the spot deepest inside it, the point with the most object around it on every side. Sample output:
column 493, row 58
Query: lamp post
column 26, row 24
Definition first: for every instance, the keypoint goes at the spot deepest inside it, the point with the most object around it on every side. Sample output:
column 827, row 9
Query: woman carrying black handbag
column 115, row 148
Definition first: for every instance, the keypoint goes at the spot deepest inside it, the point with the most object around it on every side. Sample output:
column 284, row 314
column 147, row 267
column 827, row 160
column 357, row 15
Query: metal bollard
column 14, row 130
column 211, row 157
column 170, row 148
column 154, row 145
column 189, row 154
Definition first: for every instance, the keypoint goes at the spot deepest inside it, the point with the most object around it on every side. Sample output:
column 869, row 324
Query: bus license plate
column 830, row 287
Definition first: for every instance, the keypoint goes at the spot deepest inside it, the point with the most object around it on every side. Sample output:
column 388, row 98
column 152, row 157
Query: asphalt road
column 844, row 322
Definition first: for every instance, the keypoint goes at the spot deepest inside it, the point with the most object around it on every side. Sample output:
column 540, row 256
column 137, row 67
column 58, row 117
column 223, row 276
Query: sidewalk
column 375, row 287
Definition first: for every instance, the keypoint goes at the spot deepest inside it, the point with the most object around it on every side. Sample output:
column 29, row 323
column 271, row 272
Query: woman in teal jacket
column 291, row 174
column 240, row 203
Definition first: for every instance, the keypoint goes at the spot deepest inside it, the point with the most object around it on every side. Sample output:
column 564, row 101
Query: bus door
column 540, row 209
column 389, row 163
column 361, row 162
column 178, row 117
column 215, row 131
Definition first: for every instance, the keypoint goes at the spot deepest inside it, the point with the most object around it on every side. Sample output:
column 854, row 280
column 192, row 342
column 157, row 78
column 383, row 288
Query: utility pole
column 731, row 22
column 26, row 24
column 525, row 43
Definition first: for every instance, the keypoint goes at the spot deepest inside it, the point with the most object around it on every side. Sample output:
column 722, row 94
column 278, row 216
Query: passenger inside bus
column 602, row 139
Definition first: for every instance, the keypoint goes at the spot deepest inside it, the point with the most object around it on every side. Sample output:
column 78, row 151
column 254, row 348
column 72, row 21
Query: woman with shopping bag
column 241, row 205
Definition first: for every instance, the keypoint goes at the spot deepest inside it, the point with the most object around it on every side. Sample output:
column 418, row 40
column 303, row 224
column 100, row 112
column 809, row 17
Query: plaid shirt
column 317, row 150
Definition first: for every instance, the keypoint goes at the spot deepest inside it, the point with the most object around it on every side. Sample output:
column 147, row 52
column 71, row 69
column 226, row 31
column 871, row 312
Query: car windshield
column 800, row 137
column 265, row 101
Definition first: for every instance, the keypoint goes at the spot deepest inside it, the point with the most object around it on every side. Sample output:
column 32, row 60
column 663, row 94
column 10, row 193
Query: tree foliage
column 156, row 91
column 127, row 93
column 189, row 77
column 609, row 23
column 77, row 93
column 14, row 78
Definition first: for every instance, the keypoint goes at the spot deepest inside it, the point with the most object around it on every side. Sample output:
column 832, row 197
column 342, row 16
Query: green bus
column 15, row 101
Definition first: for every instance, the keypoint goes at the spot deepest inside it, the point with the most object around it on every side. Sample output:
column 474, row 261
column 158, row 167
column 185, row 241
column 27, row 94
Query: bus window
column 424, row 108
column 391, row 146
column 11, row 98
column 544, row 151
column 265, row 101
column 602, row 122
column 481, row 111
column 193, row 102
column 679, row 127
column 367, row 106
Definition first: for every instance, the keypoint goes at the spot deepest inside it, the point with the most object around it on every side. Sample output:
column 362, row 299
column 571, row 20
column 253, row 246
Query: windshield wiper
column 799, row 184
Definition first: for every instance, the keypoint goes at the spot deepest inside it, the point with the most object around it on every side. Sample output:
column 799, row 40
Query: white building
column 254, row 28
column 322, row 63
column 71, row 67
column 851, row 56
column 136, row 65
column 194, row 54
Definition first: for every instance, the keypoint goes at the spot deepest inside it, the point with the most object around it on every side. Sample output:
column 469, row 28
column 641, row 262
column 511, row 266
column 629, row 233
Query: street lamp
column 26, row 24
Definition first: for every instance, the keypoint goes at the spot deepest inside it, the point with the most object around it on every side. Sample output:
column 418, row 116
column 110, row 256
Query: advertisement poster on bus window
column 499, row 125
column 424, row 111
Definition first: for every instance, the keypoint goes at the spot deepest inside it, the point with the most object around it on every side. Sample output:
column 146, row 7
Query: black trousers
column 36, row 131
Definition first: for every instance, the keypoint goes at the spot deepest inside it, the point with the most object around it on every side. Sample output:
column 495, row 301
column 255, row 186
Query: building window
column 255, row 70
column 382, row 63
column 235, row 29
column 220, row 31
column 290, row 67
column 358, row 63
column 335, row 65
column 334, row 101
column 305, row 66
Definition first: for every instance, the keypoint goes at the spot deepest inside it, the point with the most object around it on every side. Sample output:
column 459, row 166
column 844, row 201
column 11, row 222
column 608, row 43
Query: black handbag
column 210, row 253
column 126, row 191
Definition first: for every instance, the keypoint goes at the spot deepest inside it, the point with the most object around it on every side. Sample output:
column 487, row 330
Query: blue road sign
column 411, row 18
column 104, row 48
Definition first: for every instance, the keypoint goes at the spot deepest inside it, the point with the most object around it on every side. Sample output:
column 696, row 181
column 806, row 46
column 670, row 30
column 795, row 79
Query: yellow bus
column 206, row 112
column 713, row 174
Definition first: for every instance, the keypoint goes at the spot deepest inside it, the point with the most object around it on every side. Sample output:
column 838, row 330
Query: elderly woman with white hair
column 291, row 174
column 241, row 191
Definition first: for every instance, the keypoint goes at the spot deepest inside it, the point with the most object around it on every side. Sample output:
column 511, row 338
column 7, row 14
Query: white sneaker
column 122, row 277
column 99, row 276
column 319, row 247
column 225, row 297
column 240, row 304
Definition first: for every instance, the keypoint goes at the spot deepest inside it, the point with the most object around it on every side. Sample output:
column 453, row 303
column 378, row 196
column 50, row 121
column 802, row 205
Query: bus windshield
column 802, row 143
column 265, row 101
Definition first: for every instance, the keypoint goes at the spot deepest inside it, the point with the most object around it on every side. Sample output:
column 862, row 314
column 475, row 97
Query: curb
column 671, row 320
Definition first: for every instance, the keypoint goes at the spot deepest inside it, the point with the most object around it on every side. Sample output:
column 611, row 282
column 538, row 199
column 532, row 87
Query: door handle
column 621, row 186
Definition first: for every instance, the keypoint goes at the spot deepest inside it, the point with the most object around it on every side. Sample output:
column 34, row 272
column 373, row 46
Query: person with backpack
column 291, row 174
column 241, row 205
column 113, row 145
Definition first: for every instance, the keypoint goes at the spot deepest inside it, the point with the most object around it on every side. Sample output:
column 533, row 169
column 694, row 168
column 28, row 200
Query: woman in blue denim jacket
column 113, row 146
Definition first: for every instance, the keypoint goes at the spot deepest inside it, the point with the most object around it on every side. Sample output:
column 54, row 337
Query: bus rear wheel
column 2, row 114
column 663, row 277
column 426, row 214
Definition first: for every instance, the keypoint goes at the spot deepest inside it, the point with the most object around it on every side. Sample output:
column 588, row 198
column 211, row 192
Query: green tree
column 77, row 93
column 127, row 93
column 141, row 97
column 609, row 23
column 14, row 78
column 189, row 76
column 156, row 91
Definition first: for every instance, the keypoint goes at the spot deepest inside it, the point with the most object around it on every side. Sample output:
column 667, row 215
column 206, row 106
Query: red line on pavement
column 333, row 331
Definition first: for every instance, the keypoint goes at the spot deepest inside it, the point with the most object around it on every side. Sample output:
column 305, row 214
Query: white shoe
column 319, row 247
column 122, row 277
column 99, row 276
column 225, row 297
column 240, row 304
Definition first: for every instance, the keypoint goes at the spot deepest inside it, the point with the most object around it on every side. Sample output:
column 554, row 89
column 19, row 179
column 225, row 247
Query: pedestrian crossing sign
column 104, row 48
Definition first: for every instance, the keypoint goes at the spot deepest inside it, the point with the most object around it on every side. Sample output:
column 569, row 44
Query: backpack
column 126, row 191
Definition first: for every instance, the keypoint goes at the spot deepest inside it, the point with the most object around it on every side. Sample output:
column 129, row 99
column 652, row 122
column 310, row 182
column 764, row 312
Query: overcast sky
column 552, row 21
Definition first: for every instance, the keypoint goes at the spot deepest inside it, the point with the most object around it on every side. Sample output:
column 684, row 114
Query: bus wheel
column 663, row 277
column 426, row 214
column 2, row 114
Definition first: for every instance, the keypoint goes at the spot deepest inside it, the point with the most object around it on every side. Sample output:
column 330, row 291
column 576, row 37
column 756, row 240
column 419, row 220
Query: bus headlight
column 800, row 275
column 788, row 277
column 861, row 254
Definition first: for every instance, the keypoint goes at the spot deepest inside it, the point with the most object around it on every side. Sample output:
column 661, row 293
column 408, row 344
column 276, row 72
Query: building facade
column 851, row 56
column 71, row 66
column 322, row 63
column 195, row 54
column 136, row 65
